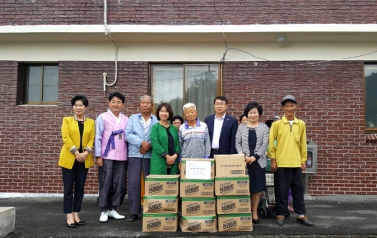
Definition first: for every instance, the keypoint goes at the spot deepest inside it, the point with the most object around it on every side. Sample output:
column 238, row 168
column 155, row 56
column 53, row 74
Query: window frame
column 368, row 130
column 184, row 64
column 23, row 90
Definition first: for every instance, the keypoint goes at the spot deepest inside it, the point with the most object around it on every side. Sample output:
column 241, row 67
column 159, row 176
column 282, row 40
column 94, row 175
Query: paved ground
column 339, row 216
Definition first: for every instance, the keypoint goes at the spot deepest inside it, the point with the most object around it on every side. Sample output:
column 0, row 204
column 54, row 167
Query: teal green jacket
column 159, row 142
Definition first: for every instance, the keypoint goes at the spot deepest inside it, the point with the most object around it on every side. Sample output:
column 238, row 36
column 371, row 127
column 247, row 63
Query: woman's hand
column 173, row 158
column 170, row 159
column 249, row 160
column 253, row 159
column 80, row 157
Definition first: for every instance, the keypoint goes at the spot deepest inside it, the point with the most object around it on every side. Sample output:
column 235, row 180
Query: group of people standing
column 127, row 148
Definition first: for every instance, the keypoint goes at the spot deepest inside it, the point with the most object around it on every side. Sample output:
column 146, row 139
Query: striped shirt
column 195, row 142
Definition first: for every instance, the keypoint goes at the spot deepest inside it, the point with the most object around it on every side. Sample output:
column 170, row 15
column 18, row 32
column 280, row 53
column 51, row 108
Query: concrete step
column 7, row 220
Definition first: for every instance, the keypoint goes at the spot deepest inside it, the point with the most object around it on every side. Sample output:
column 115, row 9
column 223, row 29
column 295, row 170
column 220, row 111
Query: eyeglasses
column 220, row 104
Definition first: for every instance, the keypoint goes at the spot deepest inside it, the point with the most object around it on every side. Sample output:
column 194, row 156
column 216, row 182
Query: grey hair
column 188, row 105
column 146, row 96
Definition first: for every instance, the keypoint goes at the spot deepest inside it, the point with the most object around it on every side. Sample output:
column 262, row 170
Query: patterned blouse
column 242, row 141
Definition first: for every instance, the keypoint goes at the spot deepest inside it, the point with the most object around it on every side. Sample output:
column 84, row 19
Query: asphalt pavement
column 333, row 216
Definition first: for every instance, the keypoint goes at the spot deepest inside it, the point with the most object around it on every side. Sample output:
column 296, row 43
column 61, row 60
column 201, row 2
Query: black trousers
column 285, row 178
column 112, row 177
column 74, row 182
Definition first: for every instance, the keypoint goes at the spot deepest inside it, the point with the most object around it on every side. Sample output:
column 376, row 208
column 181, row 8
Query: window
column 371, row 97
column 38, row 84
column 178, row 84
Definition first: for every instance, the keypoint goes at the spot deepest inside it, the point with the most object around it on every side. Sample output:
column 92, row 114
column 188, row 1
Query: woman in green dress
column 165, row 142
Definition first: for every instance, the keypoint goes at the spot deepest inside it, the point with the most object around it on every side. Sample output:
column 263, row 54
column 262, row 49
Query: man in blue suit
column 222, row 128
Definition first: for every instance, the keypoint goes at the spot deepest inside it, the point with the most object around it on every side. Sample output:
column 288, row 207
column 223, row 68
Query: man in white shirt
column 222, row 128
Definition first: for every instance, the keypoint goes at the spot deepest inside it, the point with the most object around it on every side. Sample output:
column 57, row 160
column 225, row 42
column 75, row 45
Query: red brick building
column 188, row 50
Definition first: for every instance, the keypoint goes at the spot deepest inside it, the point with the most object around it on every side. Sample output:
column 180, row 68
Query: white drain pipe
column 107, row 32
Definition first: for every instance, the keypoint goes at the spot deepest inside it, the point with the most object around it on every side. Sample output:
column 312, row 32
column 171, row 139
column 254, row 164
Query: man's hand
column 144, row 147
column 99, row 161
column 303, row 166
column 274, row 166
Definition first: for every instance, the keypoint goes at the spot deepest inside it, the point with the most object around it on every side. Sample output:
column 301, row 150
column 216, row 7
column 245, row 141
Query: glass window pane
column 167, row 81
column 201, row 87
column 33, row 83
column 371, row 96
column 50, row 83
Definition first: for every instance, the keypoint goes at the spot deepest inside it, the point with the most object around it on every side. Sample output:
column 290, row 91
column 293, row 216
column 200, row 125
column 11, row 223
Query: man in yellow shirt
column 288, row 160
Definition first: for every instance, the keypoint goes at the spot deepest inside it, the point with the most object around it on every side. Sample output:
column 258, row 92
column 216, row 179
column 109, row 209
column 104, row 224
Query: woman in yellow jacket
column 76, row 158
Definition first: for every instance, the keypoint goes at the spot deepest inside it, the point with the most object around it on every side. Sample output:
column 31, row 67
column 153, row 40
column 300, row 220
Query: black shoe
column 255, row 221
column 72, row 225
column 133, row 218
column 304, row 221
column 81, row 223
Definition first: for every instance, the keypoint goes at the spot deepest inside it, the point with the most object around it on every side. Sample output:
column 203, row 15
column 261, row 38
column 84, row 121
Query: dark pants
column 74, row 177
column 285, row 178
column 112, row 177
column 135, row 165
column 214, row 152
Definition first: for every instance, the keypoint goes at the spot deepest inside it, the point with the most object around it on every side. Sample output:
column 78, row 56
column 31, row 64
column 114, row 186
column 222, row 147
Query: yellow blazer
column 71, row 140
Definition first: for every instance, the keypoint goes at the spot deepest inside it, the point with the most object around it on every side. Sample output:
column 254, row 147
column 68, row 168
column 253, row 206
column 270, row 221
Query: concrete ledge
column 7, row 220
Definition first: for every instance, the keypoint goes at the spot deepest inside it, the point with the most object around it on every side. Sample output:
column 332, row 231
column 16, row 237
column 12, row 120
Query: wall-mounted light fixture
column 281, row 38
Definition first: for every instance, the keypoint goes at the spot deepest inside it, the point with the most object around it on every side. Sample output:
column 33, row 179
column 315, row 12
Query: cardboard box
column 198, row 224
column 197, row 188
column 235, row 222
column 233, row 204
column 162, row 185
column 199, row 206
column 160, row 204
column 232, row 186
column 184, row 163
column 157, row 222
column 230, row 165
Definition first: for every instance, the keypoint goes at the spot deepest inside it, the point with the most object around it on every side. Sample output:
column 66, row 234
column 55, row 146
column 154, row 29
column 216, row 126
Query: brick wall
column 331, row 102
column 330, row 97
column 187, row 12
column 30, row 135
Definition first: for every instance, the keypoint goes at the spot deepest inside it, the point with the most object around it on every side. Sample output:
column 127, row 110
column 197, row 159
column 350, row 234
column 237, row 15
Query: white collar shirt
column 218, row 124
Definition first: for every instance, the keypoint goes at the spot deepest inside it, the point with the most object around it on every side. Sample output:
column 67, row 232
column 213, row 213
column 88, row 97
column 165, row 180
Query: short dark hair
column 242, row 115
column 118, row 95
column 252, row 105
column 81, row 98
column 175, row 118
column 168, row 108
column 222, row 98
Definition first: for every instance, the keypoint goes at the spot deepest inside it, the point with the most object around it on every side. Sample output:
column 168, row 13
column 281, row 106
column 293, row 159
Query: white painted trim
column 186, row 52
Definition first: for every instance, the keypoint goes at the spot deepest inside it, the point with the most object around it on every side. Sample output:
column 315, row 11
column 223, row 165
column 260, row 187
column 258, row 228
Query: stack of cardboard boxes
column 201, row 210
column 197, row 193
column 160, row 206
column 232, row 193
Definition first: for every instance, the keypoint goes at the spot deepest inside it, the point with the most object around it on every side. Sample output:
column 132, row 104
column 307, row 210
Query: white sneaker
column 115, row 215
column 104, row 217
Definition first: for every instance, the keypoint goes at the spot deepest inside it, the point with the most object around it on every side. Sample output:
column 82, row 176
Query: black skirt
column 257, row 177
